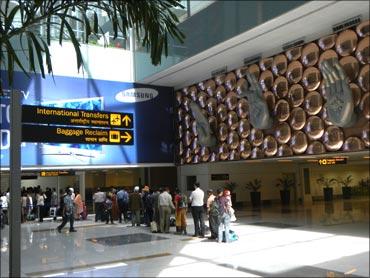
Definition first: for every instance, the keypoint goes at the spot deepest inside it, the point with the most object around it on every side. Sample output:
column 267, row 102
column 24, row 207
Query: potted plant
column 285, row 183
column 231, row 187
column 328, row 191
column 253, row 187
column 346, row 189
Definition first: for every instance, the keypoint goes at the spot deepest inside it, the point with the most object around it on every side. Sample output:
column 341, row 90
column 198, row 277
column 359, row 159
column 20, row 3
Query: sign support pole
column 15, row 185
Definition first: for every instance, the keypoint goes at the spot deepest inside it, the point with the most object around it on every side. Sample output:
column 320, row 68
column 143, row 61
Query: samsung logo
column 136, row 95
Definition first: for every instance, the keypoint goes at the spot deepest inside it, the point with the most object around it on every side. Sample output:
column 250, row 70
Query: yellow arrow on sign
column 127, row 137
column 126, row 119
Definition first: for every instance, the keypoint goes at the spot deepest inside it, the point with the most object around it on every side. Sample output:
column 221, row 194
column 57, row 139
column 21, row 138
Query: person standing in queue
column 165, row 207
column 197, row 201
column 68, row 212
column 136, row 205
column 99, row 199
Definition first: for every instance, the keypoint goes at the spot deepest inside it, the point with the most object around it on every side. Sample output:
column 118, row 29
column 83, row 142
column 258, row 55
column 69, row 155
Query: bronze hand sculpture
column 339, row 104
column 259, row 115
column 206, row 137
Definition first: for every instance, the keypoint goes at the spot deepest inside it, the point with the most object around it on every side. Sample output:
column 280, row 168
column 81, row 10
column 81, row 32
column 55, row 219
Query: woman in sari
column 78, row 205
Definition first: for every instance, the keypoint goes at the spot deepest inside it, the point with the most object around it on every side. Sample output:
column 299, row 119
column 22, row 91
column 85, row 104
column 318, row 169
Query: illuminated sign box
column 75, row 117
column 56, row 173
column 67, row 134
column 332, row 161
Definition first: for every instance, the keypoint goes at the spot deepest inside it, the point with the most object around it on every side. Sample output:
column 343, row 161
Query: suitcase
column 172, row 221
column 153, row 227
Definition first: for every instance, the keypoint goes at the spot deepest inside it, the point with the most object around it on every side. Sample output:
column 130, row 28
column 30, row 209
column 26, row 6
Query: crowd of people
column 153, row 208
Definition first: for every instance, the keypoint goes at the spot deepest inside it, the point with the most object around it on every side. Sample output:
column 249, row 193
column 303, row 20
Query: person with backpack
column 181, row 205
column 225, row 216
column 108, row 206
column 122, row 200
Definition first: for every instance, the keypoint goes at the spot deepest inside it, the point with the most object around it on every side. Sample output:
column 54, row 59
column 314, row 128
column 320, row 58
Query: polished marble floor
column 320, row 240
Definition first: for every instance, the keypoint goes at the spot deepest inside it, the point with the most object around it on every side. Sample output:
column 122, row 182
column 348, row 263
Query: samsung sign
column 148, row 107
column 136, row 95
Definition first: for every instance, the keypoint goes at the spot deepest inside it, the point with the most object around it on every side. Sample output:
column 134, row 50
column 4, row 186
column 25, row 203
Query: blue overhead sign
column 148, row 107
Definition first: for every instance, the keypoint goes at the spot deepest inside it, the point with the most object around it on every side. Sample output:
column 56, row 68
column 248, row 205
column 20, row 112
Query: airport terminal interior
column 265, row 104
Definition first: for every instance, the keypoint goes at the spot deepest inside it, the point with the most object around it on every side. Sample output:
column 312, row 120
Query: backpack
column 183, row 202
column 215, row 208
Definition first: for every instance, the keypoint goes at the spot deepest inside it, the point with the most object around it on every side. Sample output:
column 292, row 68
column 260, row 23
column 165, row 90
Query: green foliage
column 346, row 181
column 254, row 185
column 326, row 182
column 364, row 183
column 230, row 186
column 285, row 183
column 21, row 20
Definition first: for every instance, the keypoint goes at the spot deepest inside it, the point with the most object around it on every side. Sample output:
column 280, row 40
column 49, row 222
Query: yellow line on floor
column 85, row 266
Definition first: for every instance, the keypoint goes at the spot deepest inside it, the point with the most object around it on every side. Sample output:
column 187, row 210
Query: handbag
column 232, row 215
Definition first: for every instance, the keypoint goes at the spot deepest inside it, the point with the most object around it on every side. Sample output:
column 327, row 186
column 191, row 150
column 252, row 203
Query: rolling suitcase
column 153, row 227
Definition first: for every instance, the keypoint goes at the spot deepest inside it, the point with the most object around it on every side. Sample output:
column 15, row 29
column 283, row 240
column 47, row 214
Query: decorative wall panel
column 292, row 85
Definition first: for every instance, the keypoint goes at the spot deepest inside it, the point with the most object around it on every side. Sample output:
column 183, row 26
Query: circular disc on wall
column 185, row 104
column 185, row 90
column 256, row 137
column 213, row 122
column 294, row 72
column 280, row 87
column 266, row 80
column 244, row 128
column 230, row 81
column 356, row 93
column 363, row 29
column 196, row 159
column 255, row 70
column 296, row 95
column 195, row 147
column 266, row 63
column 201, row 86
column 297, row 118
column 210, row 87
column 222, row 132
column 353, row 144
column 324, row 116
column 232, row 120
column 180, row 148
column 234, row 155
column 279, row 64
column 178, row 98
column 193, row 92
column 363, row 78
column 294, row 53
column 298, row 142
column 350, row 66
column 211, row 105
column 313, row 103
column 220, row 94
column 311, row 78
column 222, row 112
column 315, row 147
column 328, row 55
column 241, row 86
column 366, row 136
column 241, row 72
column 363, row 51
column 231, row 101
column 333, row 138
column 283, row 133
column 257, row 153
column 179, row 131
column 187, row 138
column 204, row 154
column 365, row 105
column 284, row 150
column 245, row 149
column 269, row 145
column 223, row 151
column 346, row 42
column 310, row 54
column 202, row 99
column 233, row 140
column 242, row 108
column 282, row 110
column 194, row 128
column 187, row 121
column 327, row 42
column 314, row 127
column 270, row 100
column 213, row 157
column 220, row 79
column 188, row 155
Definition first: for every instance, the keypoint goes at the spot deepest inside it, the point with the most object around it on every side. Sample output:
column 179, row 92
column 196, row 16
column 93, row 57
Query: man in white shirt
column 197, row 201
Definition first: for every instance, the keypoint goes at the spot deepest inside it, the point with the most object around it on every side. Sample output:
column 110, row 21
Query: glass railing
column 211, row 23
